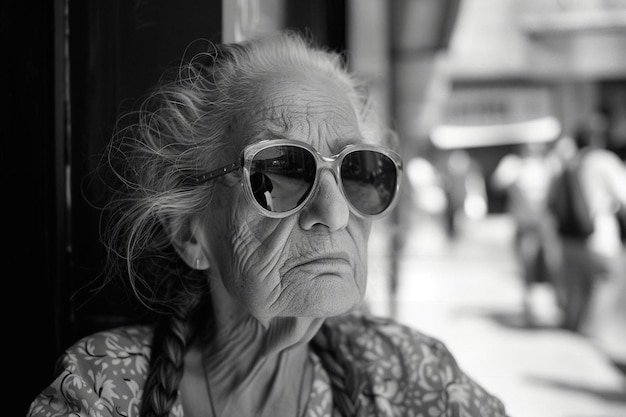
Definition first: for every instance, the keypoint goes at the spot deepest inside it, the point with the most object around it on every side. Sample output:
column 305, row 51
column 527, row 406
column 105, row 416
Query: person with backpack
column 584, row 199
column 608, row 320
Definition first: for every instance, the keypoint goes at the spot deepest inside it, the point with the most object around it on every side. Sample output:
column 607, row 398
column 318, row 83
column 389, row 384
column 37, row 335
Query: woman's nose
column 327, row 206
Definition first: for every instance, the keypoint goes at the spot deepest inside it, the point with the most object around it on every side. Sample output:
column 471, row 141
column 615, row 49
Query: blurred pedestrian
column 590, row 258
column 606, row 324
column 464, row 186
column 525, row 176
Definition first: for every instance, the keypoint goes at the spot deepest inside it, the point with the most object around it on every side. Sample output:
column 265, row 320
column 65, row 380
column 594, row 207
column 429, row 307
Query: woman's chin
column 325, row 295
column 331, row 295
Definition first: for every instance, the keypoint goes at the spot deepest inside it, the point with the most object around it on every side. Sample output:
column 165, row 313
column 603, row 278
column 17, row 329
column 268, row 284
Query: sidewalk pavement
column 468, row 294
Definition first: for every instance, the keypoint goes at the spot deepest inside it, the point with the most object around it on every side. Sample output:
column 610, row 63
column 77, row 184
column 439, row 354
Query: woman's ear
column 188, row 241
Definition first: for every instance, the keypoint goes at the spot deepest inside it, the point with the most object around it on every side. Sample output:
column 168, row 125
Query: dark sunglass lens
column 282, row 176
column 369, row 180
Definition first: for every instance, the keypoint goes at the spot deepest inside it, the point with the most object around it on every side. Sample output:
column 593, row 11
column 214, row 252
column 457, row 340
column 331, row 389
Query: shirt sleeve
column 99, row 376
column 69, row 395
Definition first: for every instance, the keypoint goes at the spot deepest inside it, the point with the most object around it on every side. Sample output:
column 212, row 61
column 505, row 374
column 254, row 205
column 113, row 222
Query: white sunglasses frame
column 332, row 163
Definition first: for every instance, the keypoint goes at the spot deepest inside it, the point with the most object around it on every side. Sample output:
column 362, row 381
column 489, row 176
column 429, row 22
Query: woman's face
column 310, row 264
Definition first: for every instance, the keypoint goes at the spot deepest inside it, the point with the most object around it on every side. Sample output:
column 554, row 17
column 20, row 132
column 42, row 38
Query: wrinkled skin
column 312, row 264
column 274, row 280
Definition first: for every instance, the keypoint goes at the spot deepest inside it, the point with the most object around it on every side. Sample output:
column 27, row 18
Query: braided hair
column 182, row 127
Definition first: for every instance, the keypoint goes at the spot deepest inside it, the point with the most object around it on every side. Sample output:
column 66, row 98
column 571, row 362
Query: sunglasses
column 281, row 176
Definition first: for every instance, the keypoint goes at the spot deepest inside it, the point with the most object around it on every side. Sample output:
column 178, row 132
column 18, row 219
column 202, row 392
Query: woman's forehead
column 308, row 106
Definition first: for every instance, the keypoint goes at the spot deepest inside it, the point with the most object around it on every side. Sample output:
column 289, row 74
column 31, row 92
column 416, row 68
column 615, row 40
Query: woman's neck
column 252, row 364
column 277, row 385
column 237, row 339
column 237, row 350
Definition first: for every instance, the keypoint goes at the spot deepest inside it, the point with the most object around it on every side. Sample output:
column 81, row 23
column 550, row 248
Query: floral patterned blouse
column 408, row 374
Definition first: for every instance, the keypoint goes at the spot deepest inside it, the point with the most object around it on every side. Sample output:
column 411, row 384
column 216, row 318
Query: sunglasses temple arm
column 202, row 178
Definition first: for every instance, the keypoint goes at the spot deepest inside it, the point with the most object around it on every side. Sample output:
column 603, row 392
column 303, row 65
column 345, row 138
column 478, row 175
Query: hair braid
column 173, row 334
column 346, row 380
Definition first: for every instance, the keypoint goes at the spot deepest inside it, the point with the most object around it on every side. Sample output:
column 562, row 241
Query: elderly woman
column 248, row 186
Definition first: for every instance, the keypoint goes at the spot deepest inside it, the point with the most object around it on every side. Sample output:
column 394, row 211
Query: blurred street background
column 468, row 293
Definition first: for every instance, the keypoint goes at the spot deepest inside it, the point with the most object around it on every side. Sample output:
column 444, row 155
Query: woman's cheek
column 258, row 246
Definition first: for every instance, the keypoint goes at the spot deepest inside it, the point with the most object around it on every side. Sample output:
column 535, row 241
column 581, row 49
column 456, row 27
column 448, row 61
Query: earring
column 197, row 263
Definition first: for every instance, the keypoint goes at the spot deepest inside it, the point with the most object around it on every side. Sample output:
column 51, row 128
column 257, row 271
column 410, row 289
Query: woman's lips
column 329, row 262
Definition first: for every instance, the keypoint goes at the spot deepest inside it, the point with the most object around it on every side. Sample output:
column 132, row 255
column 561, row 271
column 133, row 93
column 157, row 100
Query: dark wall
column 324, row 20
column 27, row 180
